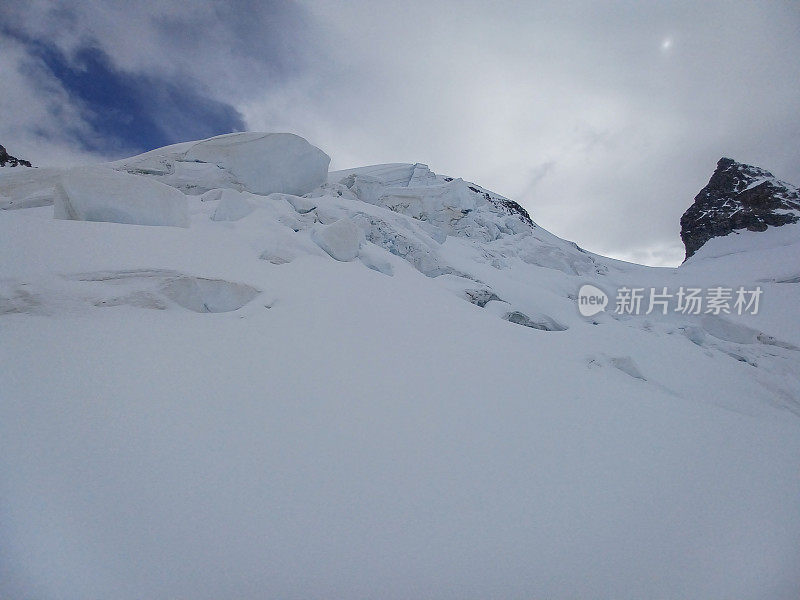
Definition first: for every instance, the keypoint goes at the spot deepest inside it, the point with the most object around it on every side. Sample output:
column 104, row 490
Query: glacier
column 97, row 194
column 375, row 383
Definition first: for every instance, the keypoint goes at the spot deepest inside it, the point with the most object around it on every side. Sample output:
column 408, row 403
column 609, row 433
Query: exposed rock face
column 6, row 160
column 738, row 196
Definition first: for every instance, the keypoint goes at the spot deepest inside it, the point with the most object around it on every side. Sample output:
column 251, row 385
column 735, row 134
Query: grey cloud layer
column 603, row 120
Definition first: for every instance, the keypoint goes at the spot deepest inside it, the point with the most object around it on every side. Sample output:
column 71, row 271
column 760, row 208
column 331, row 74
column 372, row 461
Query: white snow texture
column 375, row 383
column 99, row 194
column 261, row 163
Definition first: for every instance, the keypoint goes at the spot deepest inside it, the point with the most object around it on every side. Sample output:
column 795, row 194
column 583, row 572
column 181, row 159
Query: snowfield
column 376, row 384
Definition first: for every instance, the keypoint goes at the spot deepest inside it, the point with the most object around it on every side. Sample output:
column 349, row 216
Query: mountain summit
column 6, row 160
column 738, row 196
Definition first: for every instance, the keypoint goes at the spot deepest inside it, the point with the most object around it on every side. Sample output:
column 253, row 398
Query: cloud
column 40, row 121
column 578, row 111
column 630, row 132
column 238, row 45
column 138, row 77
column 133, row 111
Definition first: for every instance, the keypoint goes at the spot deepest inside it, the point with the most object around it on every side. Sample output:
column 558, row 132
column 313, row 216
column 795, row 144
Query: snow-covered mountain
column 6, row 160
column 738, row 196
column 227, row 372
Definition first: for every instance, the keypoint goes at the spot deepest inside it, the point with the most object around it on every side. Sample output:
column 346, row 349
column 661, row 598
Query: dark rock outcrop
column 6, row 160
column 738, row 196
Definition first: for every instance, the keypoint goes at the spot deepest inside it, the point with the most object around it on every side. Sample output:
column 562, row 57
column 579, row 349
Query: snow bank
column 28, row 188
column 232, row 207
column 341, row 239
column 449, row 206
column 100, row 194
column 266, row 162
column 261, row 163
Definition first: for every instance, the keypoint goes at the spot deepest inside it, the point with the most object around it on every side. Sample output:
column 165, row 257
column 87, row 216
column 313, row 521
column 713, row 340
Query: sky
column 603, row 119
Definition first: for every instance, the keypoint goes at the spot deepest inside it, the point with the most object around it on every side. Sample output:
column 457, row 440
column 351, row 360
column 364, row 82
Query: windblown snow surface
column 380, row 389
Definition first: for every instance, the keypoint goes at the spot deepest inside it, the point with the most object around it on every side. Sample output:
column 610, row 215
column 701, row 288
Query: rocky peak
column 738, row 196
column 6, row 160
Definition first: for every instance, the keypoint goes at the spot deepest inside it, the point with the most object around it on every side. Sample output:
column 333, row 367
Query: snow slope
column 336, row 395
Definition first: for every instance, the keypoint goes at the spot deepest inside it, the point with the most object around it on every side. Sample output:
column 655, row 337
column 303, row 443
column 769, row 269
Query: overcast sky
column 603, row 119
